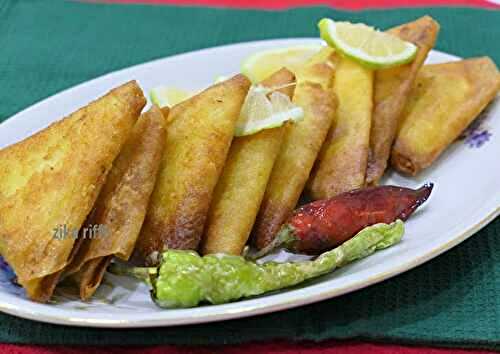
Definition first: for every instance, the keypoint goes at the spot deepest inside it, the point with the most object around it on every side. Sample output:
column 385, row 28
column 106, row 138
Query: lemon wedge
column 372, row 48
column 168, row 96
column 262, row 64
column 265, row 108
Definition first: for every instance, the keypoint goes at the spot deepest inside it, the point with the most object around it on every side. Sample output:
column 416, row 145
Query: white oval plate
column 466, row 197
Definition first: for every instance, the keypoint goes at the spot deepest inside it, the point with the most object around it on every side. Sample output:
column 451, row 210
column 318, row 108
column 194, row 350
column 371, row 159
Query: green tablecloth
column 47, row 46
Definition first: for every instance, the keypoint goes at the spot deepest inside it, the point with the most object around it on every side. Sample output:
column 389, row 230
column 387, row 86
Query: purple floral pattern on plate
column 8, row 279
column 477, row 133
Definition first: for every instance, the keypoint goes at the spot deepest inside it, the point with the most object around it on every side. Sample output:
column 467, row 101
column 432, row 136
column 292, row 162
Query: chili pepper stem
column 284, row 238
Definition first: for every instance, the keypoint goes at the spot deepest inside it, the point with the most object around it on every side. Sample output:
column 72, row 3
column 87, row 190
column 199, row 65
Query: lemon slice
column 168, row 96
column 265, row 108
column 366, row 45
column 260, row 65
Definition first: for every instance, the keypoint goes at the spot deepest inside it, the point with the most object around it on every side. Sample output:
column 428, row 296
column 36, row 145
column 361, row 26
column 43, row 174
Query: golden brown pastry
column 243, row 182
column 392, row 89
column 341, row 164
column 300, row 146
column 116, row 220
column 50, row 181
column 446, row 99
column 199, row 133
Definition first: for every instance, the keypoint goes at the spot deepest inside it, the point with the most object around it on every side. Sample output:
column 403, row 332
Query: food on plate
column 120, row 208
column 392, row 89
column 445, row 100
column 242, row 184
column 259, row 66
column 300, row 146
column 184, row 279
column 199, row 133
column 341, row 163
column 181, row 188
column 50, row 181
column 323, row 224
column 367, row 46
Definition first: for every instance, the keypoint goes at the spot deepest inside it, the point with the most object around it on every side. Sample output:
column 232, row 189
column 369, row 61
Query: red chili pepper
column 324, row 224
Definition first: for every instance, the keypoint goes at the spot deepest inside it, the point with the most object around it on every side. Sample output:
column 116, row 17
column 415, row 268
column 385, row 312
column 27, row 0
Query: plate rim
column 10, row 308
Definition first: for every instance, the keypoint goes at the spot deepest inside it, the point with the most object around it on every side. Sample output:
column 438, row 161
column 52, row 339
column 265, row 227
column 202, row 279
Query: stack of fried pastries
column 110, row 181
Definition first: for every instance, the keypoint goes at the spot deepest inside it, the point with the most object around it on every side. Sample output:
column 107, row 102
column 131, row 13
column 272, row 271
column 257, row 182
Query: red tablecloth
column 277, row 347
column 344, row 4
column 328, row 347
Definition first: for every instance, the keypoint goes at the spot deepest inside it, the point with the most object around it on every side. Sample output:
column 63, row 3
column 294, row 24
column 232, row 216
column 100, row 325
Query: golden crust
column 341, row 163
column 121, row 206
column 90, row 275
column 243, row 182
column 239, row 192
column 53, row 178
column 392, row 88
column 199, row 133
column 446, row 99
column 300, row 147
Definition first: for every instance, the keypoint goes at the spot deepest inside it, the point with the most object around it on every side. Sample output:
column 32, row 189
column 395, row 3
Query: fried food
column 199, row 133
column 445, row 100
column 392, row 89
column 300, row 146
column 120, row 209
column 50, row 181
column 243, row 182
column 341, row 163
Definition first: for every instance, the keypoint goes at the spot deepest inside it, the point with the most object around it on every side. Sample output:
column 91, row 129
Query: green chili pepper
column 185, row 279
